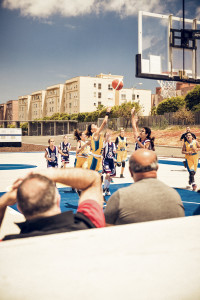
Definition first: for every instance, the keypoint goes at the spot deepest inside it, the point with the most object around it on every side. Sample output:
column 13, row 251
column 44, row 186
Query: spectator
column 147, row 199
column 39, row 201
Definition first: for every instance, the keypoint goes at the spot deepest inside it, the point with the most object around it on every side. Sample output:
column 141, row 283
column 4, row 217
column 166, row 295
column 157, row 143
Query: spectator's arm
column 8, row 199
column 88, row 181
column 111, row 211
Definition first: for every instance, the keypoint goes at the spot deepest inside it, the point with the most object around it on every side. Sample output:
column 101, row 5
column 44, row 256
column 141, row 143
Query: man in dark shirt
column 183, row 136
column 38, row 199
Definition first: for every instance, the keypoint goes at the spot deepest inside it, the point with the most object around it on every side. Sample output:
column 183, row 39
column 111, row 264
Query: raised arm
column 89, row 182
column 105, row 121
column 8, row 199
column 134, row 120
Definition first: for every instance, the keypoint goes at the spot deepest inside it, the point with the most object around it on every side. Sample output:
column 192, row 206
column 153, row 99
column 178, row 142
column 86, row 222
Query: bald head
column 36, row 195
column 143, row 163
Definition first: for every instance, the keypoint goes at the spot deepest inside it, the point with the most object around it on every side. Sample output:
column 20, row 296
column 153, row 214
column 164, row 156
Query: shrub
column 170, row 105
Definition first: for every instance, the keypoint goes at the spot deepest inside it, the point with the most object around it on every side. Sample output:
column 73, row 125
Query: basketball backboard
column 165, row 51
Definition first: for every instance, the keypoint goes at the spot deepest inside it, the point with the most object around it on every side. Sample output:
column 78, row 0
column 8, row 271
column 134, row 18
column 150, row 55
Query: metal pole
column 183, row 35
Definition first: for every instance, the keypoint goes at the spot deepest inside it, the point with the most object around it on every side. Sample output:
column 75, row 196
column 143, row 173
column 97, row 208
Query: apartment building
column 24, row 111
column 11, row 112
column 143, row 97
column 37, row 106
column 85, row 93
column 54, row 101
column 2, row 111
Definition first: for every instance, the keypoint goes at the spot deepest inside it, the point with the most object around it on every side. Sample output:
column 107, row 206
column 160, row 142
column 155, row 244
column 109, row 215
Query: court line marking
column 191, row 202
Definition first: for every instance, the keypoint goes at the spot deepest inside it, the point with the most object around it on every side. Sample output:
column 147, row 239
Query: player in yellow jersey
column 82, row 149
column 94, row 132
column 121, row 145
column 190, row 149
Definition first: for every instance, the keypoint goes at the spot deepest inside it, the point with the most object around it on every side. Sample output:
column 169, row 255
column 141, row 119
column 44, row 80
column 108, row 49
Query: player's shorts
column 95, row 163
column 81, row 162
column 109, row 167
column 52, row 165
column 121, row 156
column 65, row 159
column 192, row 162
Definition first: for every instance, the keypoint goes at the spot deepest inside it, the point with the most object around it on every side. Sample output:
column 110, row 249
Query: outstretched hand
column 108, row 109
column 133, row 111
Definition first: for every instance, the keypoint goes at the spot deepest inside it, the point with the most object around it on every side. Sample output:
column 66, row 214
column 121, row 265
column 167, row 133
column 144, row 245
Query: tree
column 170, row 105
column 124, row 111
column 184, row 115
column 192, row 99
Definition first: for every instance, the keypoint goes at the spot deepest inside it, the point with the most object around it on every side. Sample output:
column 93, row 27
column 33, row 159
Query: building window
column 138, row 96
column 99, row 95
column 95, row 94
column 110, row 87
column 70, row 105
column 133, row 97
column 95, row 84
column 123, row 96
column 95, row 104
column 99, row 103
column 99, row 86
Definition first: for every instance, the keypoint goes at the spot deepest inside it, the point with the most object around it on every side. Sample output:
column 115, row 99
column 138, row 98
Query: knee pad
column 119, row 164
column 192, row 173
column 123, row 164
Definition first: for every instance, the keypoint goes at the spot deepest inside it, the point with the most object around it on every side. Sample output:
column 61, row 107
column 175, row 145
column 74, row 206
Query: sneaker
column 108, row 193
column 104, row 192
column 122, row 176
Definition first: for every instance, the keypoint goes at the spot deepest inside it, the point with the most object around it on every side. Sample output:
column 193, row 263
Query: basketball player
column 94, row 132
column 121, row 145
column 109, row 168
column 64, row 149
column 51, row 154
column 82, row 150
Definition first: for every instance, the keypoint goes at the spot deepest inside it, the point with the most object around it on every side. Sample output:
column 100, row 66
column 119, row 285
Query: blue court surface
column 171, row 171
column 69, row 199
column 15, row 166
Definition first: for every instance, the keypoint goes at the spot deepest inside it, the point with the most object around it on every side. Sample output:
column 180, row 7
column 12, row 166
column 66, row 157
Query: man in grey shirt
column 147, row 199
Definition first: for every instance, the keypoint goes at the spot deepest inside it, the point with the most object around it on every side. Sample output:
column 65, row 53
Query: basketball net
column 168, row 88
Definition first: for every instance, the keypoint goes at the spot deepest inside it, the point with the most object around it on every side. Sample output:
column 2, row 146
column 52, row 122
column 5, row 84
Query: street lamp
column 139, row 83
column 134, row 87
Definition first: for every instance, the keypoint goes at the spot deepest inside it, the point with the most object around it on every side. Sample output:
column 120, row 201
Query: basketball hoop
column 168, row 88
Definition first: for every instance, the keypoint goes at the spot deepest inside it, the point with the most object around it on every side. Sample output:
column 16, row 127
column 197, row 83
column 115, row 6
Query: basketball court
column 150, row 260
column 171, row 171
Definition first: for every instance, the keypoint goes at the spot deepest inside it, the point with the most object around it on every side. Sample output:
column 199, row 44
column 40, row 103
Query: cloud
column 74, row 8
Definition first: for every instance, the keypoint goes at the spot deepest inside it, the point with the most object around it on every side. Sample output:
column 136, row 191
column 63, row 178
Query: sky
column 46, row 42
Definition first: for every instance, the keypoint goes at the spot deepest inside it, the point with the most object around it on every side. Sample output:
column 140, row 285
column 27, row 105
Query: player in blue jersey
column 109, row 168
column 64, row 149
column 51, row 154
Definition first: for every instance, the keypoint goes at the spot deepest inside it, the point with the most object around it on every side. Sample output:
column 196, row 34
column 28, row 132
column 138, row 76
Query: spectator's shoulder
column 93, row 211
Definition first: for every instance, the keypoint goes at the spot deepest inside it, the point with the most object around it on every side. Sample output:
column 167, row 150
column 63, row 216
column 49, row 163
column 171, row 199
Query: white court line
column 190, row 202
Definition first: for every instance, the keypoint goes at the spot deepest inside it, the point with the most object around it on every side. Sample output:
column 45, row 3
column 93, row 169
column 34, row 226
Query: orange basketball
column 117, row 84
